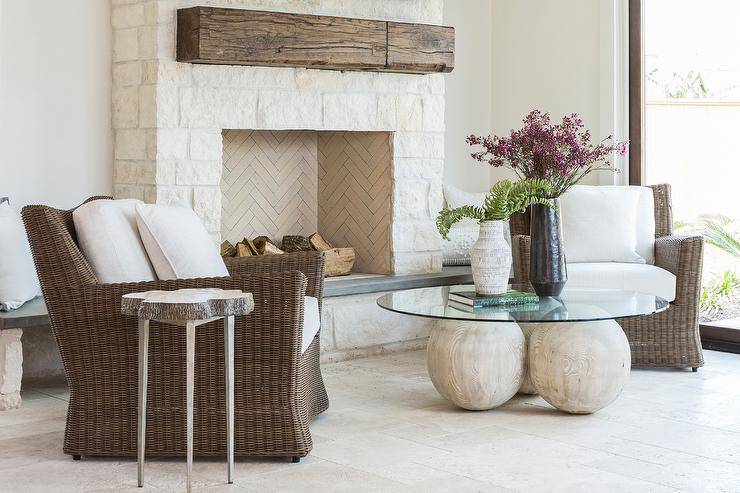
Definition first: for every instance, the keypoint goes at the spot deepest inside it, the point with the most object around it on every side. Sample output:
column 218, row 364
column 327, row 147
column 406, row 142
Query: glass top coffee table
column 569, row 349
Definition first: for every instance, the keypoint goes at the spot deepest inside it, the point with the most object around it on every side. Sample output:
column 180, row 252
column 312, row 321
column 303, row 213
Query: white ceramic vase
column 490, row 259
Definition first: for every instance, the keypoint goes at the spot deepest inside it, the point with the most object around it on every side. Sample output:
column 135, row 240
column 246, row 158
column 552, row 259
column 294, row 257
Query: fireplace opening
column 299, row 189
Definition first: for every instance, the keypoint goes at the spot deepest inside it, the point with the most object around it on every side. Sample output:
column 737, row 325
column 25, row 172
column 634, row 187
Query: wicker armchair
column 278, row 390
column 667, row 339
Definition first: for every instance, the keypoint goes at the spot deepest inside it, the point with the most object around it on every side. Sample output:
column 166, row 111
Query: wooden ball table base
column 577, row 367
column 476, row 365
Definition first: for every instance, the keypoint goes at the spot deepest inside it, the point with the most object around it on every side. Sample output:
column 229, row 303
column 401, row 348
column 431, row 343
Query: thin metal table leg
column 190, row 390
column 143, row 377
column 229, row 371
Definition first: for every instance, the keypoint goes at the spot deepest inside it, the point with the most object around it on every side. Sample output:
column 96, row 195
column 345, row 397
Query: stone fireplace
column 355, row 155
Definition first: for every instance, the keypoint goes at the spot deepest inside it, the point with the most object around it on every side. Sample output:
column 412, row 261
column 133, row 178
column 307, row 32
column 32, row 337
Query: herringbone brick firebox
column 277, row 183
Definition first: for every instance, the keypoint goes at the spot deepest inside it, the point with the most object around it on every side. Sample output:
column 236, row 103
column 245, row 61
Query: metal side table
column 187, row 308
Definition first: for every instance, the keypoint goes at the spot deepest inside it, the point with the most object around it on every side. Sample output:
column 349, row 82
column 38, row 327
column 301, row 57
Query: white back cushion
column 109, row 239
column 454, row 198
column 457, row 198
column 18, row 280
column 600, row 224
column 178, row 245
column 645, row 232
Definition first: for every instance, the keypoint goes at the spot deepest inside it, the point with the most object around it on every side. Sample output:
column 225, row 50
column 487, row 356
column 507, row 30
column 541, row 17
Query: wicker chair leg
column 694, row 369
column 76, row 457
column 296, row 459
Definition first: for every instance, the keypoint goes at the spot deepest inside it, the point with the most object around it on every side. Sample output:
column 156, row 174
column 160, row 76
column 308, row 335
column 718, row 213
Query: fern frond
column 504, row 199
column 507, row 197
column 448, row 217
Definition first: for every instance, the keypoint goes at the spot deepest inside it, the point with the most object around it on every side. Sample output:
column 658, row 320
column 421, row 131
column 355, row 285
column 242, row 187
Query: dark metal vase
column 547, row 271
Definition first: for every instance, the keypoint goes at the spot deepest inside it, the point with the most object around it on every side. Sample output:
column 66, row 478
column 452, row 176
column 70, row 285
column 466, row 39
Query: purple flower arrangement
column 561, row 154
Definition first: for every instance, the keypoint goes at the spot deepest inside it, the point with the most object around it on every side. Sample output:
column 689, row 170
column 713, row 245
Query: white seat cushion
column 600, row 224
column 643, row 278
column 18, row 280
column 109, row 239
column 311, row 321
column 177, row 243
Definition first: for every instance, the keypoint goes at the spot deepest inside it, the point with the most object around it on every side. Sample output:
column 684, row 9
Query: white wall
column 511, row 56
column 468, row 91
column 55, row 130
column 560, row 57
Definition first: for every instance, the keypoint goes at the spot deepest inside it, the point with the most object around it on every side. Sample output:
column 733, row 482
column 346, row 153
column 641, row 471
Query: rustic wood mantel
column 211, row 35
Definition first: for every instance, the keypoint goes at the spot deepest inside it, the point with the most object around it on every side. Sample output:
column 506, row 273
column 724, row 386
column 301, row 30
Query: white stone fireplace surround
column 168, row 117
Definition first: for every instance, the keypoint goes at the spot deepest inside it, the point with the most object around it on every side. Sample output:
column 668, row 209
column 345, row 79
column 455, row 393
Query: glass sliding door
column 692, row 133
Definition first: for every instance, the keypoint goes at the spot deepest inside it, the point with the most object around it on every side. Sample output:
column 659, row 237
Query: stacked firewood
column 339, row 261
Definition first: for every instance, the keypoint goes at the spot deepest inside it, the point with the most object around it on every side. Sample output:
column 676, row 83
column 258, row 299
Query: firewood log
column 259, row 243
column 319, row 243
column 250, row 244
column 243, row 250
column 271, row 249
column 265, row 246
column 227, row 249
column 296, row 243
column 339, row 261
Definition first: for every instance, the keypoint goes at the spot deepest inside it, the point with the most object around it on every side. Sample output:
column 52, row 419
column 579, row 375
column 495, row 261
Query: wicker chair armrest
column 520, row 248
column 311, row 264
column 682, row 256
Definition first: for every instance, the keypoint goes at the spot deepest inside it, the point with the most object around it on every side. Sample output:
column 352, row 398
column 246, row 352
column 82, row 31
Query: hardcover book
column 519, row 307
column 511, row 297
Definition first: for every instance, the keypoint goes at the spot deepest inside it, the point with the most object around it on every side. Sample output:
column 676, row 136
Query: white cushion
column 18, row 280
column 600, row 224
column 643, row 278
column 456, row 248
column 454, row 198
column 109, row 239
column 311, row 321
column 177, row 243
column 645, row 227
column 457, row 198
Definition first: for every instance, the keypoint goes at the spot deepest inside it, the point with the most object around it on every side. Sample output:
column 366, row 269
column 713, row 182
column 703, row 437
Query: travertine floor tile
column 387, row 430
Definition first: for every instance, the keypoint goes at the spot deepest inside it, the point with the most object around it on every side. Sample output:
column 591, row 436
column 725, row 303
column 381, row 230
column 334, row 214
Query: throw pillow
column 178, row 244
column 109, row 238
column 645, row 232
column 600, row 224
column 18, row 280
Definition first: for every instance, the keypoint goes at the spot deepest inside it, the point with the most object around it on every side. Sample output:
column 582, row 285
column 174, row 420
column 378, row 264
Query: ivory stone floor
column 388, row 430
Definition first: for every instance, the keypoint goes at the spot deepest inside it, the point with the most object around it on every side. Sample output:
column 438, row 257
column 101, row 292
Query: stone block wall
column 168, row 117
column 355, row 326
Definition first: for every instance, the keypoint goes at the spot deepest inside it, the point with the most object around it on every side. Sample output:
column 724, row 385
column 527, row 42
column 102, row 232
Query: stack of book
column 472, row 301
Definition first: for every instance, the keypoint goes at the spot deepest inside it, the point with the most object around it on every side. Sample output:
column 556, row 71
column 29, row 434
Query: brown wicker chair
column 667, row 339
column 278, row 390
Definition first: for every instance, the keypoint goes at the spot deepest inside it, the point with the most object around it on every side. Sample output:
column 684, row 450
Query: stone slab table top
column 187, row 304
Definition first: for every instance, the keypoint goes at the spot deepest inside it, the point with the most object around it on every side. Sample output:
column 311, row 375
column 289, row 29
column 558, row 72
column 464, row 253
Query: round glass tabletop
column 573, row 305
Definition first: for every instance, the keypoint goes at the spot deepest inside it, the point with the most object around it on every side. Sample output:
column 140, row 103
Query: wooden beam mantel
column 212, row 35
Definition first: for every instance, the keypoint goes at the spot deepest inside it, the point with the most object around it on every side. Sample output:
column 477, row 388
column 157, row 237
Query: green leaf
column 504, row 199
column 448, row 217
